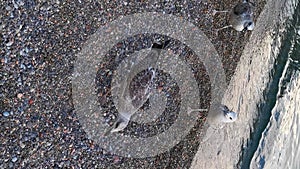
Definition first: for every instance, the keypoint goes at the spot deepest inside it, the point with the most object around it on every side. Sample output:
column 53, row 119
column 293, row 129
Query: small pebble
column 20, row 95
column 22, row 145
column 8, row 8
column 116, row 159
column 22, row 53
column 30, row 102
column 21, row 3
column 14, row 159
column 15, row 5
column 9, row 43
column 22, row 66
column 6, row 114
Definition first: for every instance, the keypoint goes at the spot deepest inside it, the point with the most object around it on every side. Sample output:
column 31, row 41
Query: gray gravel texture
column 38, row 43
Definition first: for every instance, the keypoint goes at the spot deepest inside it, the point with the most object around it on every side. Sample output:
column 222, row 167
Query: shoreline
column 245, row 91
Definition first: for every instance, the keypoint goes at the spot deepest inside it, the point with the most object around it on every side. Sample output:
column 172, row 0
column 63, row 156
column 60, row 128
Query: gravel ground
column 38, row 43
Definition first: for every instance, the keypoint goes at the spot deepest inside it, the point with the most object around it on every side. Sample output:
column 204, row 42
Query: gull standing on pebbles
column 127, row 109
column 240, row 17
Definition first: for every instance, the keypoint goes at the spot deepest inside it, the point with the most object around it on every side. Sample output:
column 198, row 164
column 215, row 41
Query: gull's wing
column 127, row 105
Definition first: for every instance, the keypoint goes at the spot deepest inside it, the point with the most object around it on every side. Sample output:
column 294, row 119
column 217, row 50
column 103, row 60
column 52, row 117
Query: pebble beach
column 39, row 41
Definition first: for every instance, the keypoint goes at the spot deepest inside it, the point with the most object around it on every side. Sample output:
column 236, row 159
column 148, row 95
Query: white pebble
column 8, row 8
column 22, row 145
column 6, row 113
column 9, row 43
column 14, row 159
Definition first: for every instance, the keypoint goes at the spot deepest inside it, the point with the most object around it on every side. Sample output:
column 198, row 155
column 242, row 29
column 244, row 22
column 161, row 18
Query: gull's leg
column 228, row 26
column 214, row 12
column 190, row 110
column 225, row 27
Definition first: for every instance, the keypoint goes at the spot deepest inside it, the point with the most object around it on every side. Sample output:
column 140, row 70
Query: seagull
column 240, row 17
column 222, row 115
column 127, row 108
